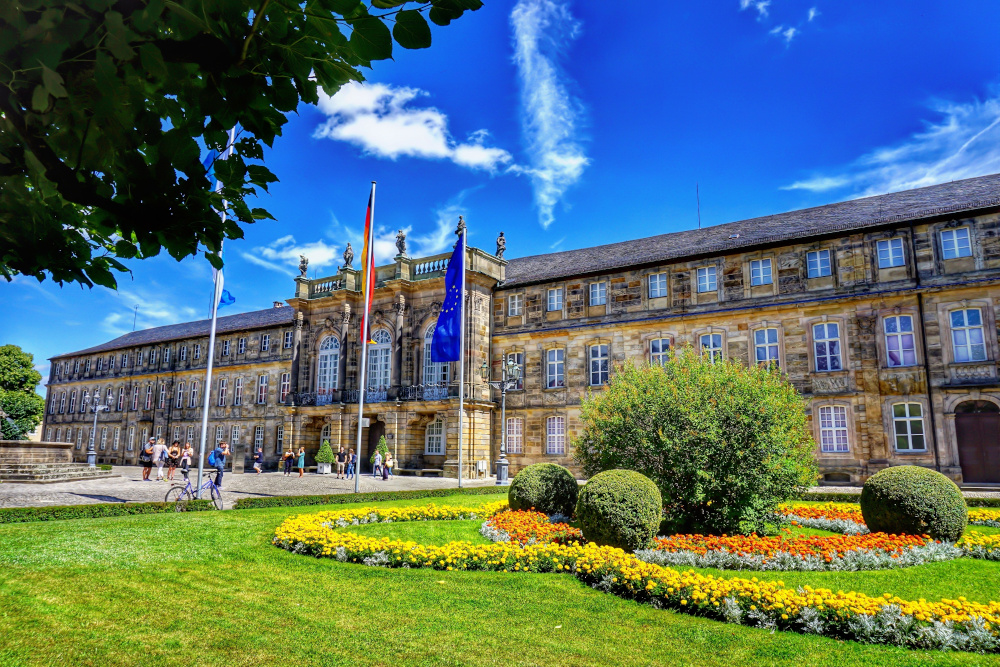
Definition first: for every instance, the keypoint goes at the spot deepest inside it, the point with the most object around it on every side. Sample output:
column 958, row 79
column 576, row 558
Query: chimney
column 279, row 304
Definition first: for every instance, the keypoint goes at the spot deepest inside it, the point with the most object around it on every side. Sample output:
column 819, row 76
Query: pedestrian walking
column 377, row 470
column 341, row 462
column 217, row 458
column 352, row 462
column 159, row 457
column 186, row 454
column 288, row 457
column 258, row 459
column 387, row 466
column 173, row 459
column 146, row 459
column 302, row 460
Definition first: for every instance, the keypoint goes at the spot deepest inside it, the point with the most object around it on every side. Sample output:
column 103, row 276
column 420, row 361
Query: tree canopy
column 105, row 106
column 18, row 400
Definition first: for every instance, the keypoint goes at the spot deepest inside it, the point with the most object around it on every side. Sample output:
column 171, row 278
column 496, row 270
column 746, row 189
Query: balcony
column 428, row 392
column 379, row 395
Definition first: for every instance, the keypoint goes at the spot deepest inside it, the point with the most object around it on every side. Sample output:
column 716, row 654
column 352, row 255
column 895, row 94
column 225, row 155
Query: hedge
column 913, row 500
column 98, row 510
column 373, row 497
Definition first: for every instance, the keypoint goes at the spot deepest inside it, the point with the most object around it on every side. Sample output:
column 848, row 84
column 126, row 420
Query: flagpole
column 461, row 367
column 366, row 261
column 217, row 290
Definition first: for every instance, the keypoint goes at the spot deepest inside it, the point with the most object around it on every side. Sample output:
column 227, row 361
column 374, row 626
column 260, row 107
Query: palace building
column 881, row 311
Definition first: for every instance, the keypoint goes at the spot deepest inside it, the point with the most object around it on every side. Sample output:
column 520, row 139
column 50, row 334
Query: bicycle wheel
column 216, row 497
column 180, row 496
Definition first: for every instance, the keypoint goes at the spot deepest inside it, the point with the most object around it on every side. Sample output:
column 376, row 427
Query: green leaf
column 370, row 39
column 40, row 99
column 53, row 82
column 152, row 60
column 441, row 16
column 388, row 4
column 261, row 214
column 117, row 41
column 411, row 30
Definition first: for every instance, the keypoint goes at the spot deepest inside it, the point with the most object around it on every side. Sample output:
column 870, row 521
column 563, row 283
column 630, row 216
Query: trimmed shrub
column 325, row 453
column 546, row 487
column 97, row 510
column 620, row 508
column 345, row 498
column 915, row 501
column 725, row 443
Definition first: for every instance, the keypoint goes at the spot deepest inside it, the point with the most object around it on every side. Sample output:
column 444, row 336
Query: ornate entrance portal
column 977, row 427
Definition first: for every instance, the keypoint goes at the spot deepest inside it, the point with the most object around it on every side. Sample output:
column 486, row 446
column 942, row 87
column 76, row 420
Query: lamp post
column 91, row 452
column 510, row 372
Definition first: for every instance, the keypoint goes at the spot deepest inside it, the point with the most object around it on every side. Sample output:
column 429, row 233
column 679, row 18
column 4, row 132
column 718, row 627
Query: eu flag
column 448, row 333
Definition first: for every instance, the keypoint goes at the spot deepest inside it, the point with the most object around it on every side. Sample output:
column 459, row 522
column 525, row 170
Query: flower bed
column 945, row 624
column 528, row 527
column 846, row 517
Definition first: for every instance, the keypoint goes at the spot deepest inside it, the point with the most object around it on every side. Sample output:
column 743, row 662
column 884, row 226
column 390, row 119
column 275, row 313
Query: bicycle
column 182, row 495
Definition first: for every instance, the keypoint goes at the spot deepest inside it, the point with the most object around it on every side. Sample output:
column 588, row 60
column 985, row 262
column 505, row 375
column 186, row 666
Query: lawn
column 208, row 588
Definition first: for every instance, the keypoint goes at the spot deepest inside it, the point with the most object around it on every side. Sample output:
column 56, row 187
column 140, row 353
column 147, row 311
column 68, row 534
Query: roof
column 253, row 320
column 877, row 211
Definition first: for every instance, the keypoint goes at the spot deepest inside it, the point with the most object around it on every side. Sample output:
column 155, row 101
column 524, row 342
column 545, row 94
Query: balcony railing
column 379, row 395
column 428, row 392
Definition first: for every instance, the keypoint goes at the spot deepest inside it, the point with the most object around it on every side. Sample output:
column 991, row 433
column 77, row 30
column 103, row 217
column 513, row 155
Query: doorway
column 375, row 432
column 977, row 429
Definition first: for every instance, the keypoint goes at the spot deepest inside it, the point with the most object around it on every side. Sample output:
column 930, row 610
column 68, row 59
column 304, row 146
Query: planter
column 323, row 468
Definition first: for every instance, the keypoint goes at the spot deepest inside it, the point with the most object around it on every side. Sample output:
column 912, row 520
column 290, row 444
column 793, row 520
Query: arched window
column 436, row 373
column 325, row 435
column 328, row 366
column 380, row 360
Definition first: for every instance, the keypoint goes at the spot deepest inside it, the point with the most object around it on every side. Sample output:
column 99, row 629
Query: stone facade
column 881, row 311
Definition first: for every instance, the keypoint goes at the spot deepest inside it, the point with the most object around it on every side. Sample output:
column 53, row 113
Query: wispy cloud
column 154, row 310
column 282, row 255
column 381, row 120
column 813, row 13
column 555, row 246
column 550, row 115
column 784, row 32
column 761, row 6
column 963, row 142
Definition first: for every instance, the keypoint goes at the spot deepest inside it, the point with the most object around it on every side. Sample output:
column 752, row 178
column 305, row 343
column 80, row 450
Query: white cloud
column 549, row 113
column 964, row 142
column 760, row 5
column 379, row 119
column 813, row 13
column 154, row 310
column 443, row 237
column 282, row 255
column 785, row 33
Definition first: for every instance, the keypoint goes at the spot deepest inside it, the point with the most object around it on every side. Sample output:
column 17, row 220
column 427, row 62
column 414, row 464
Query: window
column 659, row 350
column 225, row 348
column 760, row 272
column 135, row 397
column 436, row 373
column 826, row 342
column 223, row 383
column 193, row 395
column 279, row 439
column 121, row 399
column 288, row 339
column 555, row 435
column 890, row 253
column 69, row 431
column 234, row 435
column 265, row 342
column 117, row 439
column 518, row 359
column 166, row 355
column 111, row 362
column 130, row 443
column 197, row 350
column 190, row 434
column 555, row 368
column 765, row 344
column 163, row 395
column 72, row 402
column 184, row 353
column 52, row 404
column 62, row 402
column 220, row 433
column 706, row 279
column 149, row 396
column 179, row 401
column 967, row 337
column 833, row 428
column 124, row 360
column 109, row 397
column 76, row 366
column 711, row 346
column 955, row 243
column 177, row 434
column 58, row 435
column 79, row 438
column 818, row 264
column 48, row 435
column 100, row 364
column 598, row 294
column 86, row 367
column 238, row 392
column 152, row 357
column 380, row 360
column 434, row 440
column 262, row 389
column 657, row 285
column 328, row 366
column 908, row 424
column 899, row 341
column 104, row 438
column 555, row 299
column 515, row 303
column 598, row 364
column 139, row 359
column 258, row 437
column 84, row 400
column 241, row 346
column 145, row 436
column 515, row 435
column 286, row 387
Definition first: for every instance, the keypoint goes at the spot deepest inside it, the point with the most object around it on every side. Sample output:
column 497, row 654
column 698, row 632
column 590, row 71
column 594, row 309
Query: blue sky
column 571, row 124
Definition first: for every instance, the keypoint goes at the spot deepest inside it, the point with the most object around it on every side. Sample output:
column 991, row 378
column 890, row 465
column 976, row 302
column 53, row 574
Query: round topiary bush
column 914, row 501
column 546, row 487
column 620, row 508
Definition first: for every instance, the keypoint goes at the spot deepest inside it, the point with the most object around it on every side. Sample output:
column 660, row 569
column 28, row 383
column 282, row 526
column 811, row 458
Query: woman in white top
column 159, row 457
column 186, row 455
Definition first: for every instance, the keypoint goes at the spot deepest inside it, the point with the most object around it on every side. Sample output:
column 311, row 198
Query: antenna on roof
column 134, row 316
column 697, row 196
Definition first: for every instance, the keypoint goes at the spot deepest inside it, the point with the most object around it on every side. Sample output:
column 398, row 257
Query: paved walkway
column 127, row 486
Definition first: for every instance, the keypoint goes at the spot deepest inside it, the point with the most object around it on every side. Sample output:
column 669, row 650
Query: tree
column 724, row 443
column 18, row 400
column 103, row 104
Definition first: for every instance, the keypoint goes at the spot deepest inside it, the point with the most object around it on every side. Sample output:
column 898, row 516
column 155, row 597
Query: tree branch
column 253, row 31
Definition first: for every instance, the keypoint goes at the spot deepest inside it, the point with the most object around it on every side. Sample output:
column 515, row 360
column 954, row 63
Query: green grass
column 434, row 533
column 209, row 589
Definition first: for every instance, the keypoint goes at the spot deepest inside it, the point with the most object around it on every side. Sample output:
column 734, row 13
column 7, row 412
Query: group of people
column 157, row 453
column 383, row 467
column 290, row 459
column 347, row 462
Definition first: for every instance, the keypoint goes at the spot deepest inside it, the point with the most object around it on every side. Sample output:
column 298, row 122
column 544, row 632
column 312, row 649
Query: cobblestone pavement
column 127, row 486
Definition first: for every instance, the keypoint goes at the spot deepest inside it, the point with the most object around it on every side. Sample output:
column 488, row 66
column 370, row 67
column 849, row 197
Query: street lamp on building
column 510, row 373
column 91, row 452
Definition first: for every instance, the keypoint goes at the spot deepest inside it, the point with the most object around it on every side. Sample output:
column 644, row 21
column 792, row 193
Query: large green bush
column 546, row 487
column 724, row 442
column 914, row 501
column 325, row 453
column 620, row 508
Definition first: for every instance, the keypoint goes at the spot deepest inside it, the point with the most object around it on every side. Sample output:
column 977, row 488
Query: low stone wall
column 25, row 451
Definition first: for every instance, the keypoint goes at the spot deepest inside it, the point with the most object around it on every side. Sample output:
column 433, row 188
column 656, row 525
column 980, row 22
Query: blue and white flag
column 227, row 299
column 446, row 345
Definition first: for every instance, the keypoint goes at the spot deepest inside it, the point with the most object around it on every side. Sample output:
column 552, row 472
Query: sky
column 573, row 124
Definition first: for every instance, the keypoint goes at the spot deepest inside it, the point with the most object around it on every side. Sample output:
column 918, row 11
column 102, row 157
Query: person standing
column 159, row 457
column 217, row 458
column 146, row 459
column 186, row 455
column 352, row 462
column 341, row 462
column 287, row 458
column 258, row 459
column 173, row 459
column 378, row 464
column 387, row 466
column 302, row 460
